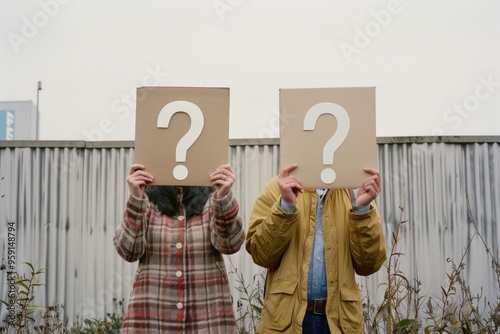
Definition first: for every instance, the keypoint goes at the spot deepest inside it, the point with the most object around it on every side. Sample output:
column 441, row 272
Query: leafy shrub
column 456, row 310
column 22, row 313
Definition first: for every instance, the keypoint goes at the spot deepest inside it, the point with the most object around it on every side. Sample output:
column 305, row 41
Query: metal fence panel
column 66, row 199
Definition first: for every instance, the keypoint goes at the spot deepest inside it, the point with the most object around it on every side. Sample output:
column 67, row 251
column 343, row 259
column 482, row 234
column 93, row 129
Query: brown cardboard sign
column 330, row 134
column 182, row 133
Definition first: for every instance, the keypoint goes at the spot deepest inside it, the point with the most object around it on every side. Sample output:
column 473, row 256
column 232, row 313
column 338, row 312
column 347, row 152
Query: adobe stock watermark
column 31, row 26
column 409, row 165
column 224, row 6
column 371, row 30
column 455, row 115
column 277, row 120
column 125, row 104
column 270, row 131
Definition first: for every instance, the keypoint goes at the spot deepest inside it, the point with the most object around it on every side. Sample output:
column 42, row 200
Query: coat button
column 179, row 306
column 178, row 245
column 181, row 218
column 178, row 273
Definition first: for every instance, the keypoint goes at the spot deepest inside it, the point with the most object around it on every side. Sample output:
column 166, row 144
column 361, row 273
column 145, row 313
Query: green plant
column 456, row 310
column 400, row 307
column 23, row 316
column 111, row 324
column 458, row 307
column 22, row 313
column 249, row 306
column 52, row 322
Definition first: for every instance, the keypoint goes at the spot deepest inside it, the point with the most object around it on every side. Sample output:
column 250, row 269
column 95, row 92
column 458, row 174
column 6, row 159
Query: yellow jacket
column 282, row 242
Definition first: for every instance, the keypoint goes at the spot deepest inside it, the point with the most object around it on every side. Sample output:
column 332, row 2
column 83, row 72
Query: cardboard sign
column 182, row 133
column 330, row 134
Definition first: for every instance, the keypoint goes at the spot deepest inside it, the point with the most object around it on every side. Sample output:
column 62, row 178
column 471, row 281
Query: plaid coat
column 181, row 284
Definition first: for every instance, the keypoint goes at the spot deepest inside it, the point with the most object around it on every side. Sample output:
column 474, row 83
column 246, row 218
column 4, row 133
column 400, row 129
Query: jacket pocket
column 351, row 316
column 137, row 277
column 222, row 269
column 278, row 308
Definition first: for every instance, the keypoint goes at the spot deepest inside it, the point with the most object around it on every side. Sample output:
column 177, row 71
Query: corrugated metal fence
column 66, row 198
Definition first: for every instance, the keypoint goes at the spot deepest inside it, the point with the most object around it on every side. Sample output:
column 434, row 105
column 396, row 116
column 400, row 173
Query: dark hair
column 165, row 199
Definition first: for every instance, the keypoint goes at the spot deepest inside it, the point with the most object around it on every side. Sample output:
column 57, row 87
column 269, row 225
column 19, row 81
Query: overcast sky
column 435, row 64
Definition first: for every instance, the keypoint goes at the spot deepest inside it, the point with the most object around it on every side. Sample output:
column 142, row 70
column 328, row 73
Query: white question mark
column 328, row 175
column 180, row 172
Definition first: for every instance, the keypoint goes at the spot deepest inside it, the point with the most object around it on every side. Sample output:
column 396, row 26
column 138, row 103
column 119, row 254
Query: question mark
column 180, row 172
column 343, row 125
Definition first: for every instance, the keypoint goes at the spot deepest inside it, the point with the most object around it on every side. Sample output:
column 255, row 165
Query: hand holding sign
column 289, row 185
column 222, row 179
column 370, row 188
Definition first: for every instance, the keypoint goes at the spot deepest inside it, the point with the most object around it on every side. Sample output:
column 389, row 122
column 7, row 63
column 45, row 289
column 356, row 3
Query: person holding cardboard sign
column 312, row 242
column 178, row 235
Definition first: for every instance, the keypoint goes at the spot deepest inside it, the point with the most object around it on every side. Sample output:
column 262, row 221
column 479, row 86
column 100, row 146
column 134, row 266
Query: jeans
column 315, row 324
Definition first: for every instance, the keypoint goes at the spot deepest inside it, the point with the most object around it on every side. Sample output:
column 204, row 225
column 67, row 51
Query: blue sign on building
column 7, row 121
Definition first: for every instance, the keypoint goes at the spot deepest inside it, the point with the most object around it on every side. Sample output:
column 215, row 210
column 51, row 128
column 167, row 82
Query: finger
column 227, row 174
column 139, row 178
column 373, row 172
column 371, row 192
column 372, row 179
column 134, row 168
column 138, row 169
column 376, row 183
column 142, row 175
column 226, row 167
column 368, row 180
column 291, row 183
column 220, row 176
column 223, row 169
column 137, row 182
column 372, row 189
column 230, row 173
column 286, row 171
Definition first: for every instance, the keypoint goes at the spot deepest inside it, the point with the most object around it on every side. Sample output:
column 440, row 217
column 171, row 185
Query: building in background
column 18, row 120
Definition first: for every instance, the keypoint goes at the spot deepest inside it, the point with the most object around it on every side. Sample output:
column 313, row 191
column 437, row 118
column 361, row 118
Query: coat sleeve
column 129, row 237
column 270, row 229
column 368, row 247
column 227, row 234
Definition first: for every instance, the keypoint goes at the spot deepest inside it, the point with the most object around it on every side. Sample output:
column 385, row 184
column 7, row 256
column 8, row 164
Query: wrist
column 285, row 206
column 361, row 209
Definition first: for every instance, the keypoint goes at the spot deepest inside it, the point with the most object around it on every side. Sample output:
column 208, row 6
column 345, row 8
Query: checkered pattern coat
column 181, row 284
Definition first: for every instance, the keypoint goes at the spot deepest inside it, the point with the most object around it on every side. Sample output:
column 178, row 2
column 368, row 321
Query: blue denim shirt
column 316, row 282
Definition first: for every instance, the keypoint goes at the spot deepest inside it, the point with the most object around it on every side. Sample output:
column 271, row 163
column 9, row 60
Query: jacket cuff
column 225, row 204
column 136, row 207
column 366, row 212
